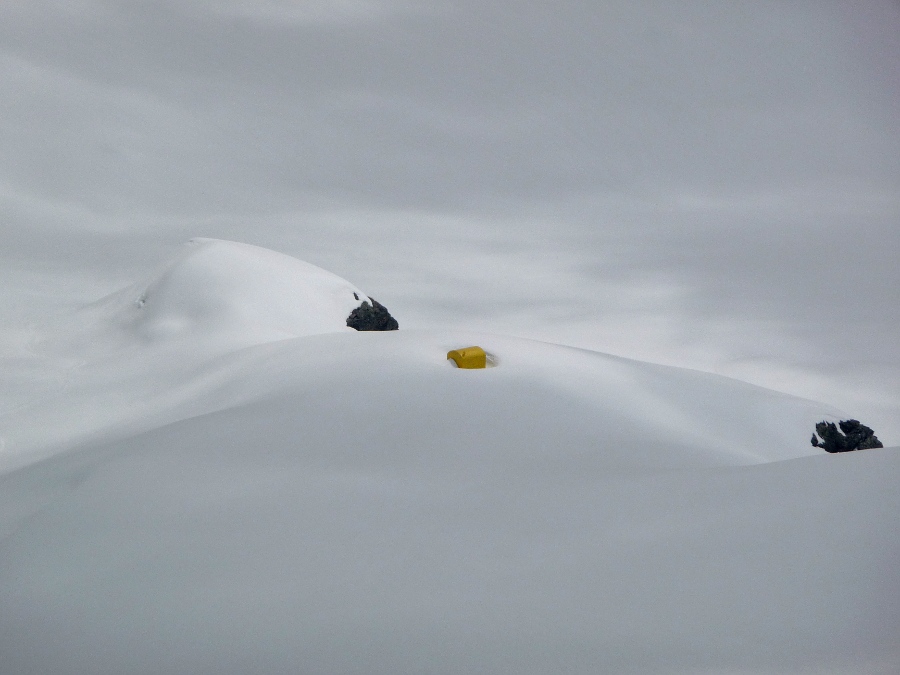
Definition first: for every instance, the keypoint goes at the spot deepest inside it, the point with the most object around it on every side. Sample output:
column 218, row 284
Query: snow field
column 220, row 477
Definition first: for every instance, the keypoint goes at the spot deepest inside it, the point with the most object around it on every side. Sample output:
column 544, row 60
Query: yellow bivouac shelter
column 468, row 357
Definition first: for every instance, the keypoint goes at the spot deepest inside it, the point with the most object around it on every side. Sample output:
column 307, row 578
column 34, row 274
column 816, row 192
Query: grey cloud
column 478, row 103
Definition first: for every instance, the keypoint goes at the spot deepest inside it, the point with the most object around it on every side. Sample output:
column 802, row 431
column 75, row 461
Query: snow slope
column 221, row 295
column 229, row 480
column 220, row 324
column 142, row 355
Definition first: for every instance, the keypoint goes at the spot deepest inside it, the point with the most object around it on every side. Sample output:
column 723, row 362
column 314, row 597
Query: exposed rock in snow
column 373, row 316
column 855, row 436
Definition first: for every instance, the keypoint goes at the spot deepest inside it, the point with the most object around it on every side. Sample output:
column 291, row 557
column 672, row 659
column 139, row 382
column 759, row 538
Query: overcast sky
column 710, row 184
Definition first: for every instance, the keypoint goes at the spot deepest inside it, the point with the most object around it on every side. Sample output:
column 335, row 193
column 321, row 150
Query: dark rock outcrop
column 855, row 436
column 372, row 317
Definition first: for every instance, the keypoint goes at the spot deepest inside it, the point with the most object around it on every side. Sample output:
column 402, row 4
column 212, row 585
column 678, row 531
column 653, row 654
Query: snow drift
column 224, row 323
column 225, row 295
column 232, row 481
column 146, row 354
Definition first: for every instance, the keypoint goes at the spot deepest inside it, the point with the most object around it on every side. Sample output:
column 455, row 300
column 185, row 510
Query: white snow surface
column 208, row 472
column 143, row 355
column 222, row 295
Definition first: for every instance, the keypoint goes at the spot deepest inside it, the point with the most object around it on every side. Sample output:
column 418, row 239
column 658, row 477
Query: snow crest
column 216, row 292
column 224, row 325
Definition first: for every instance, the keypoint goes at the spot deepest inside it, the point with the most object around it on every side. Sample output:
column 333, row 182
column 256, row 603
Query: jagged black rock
column 855, row 436
column 372, row 317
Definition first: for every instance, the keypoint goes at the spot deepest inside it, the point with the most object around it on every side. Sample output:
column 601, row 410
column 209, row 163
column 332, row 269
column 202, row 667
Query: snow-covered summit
column 215, row 293
column 224, row 324
column 149, row 353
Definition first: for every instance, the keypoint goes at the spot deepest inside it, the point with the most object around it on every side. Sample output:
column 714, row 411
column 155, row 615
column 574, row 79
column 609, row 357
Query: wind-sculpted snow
column 224, row 295
column 223, row 478
column 601, row 408
column 202, row 331
column 323, row 531
column 142, row 355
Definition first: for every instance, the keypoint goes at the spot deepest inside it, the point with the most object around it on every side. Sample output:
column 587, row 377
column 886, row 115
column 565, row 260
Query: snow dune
column 224, row 323
column 226, row 295
column 145, row 355
column 226, row 479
